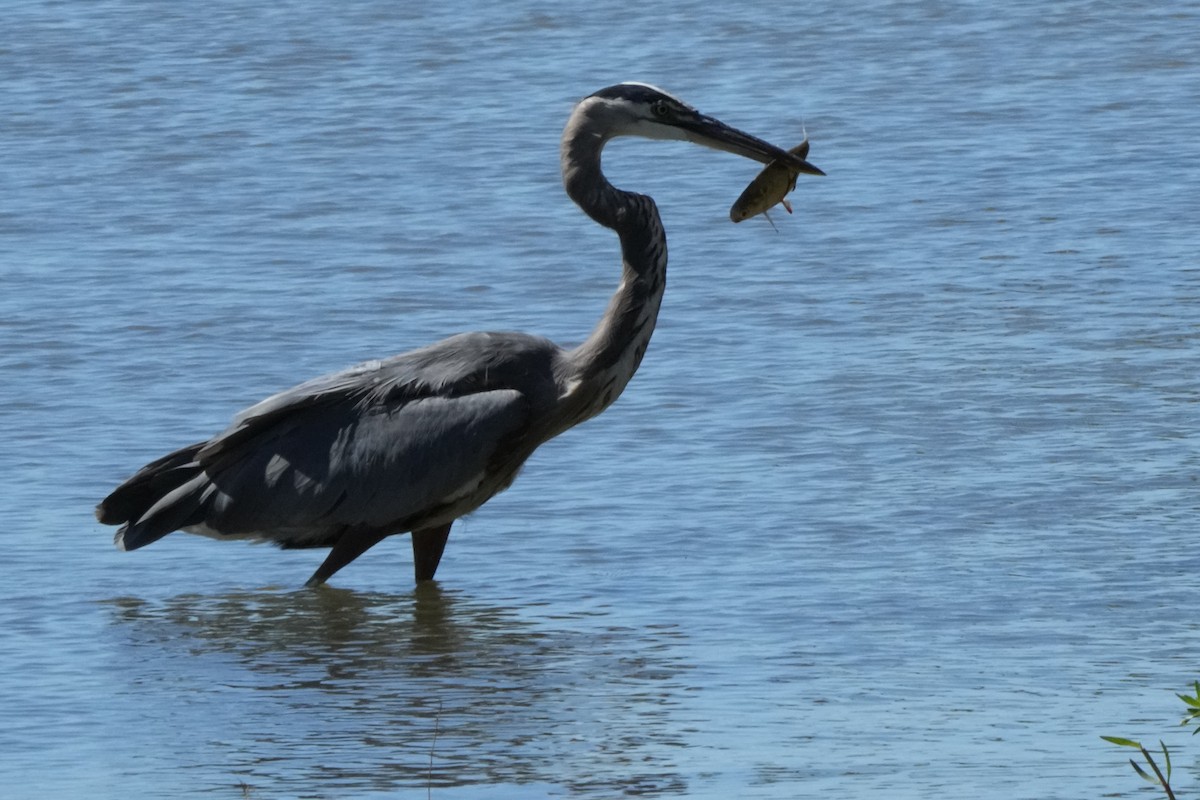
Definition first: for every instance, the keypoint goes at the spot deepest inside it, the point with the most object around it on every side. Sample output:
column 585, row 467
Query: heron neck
column 599, row 369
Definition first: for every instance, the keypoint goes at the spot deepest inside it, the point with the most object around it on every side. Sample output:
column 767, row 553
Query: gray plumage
column 413, row 442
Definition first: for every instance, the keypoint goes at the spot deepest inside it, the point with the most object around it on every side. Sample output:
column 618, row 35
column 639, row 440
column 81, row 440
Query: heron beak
column 713, row 133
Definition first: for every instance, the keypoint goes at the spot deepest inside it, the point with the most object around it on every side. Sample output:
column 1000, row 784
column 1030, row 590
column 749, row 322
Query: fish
column 769, row 188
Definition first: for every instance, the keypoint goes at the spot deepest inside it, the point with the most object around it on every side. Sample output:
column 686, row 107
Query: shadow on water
column 333, row 690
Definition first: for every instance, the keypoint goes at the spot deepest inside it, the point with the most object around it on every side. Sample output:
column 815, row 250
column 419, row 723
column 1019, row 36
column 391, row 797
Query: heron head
column 639, row 109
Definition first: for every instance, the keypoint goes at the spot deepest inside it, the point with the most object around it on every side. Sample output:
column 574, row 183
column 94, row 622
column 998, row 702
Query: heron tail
column 161, row 497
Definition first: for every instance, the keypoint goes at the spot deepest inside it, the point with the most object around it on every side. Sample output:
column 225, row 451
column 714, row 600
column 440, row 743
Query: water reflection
column 337, row 690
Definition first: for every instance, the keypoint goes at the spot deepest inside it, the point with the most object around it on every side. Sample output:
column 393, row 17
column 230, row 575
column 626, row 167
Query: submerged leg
column 428, row 545
column 352, row 545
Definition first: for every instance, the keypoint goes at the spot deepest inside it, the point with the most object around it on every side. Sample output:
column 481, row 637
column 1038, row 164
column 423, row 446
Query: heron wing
column 379, row 444
column 464, row 364
column 325, row 467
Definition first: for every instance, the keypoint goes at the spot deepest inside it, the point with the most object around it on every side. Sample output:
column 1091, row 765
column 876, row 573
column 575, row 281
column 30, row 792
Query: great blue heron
column 413, row 442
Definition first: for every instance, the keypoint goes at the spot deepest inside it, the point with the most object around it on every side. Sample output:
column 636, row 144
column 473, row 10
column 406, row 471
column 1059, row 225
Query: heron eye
column 660, row 108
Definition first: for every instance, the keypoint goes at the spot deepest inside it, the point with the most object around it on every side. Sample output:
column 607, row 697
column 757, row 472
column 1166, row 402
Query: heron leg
column 428, row 545
column 350, row 546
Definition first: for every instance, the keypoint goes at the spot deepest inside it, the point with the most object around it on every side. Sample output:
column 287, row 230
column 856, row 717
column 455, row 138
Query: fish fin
column 786, row 205
column 768, row 216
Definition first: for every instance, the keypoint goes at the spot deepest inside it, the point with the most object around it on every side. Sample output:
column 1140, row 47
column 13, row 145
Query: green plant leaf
column 1143, row 773
column 1167, row 758
column 1122, row 742
column 1194, row 702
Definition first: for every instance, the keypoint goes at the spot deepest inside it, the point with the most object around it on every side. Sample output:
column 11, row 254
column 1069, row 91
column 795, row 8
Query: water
column 902, row 502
